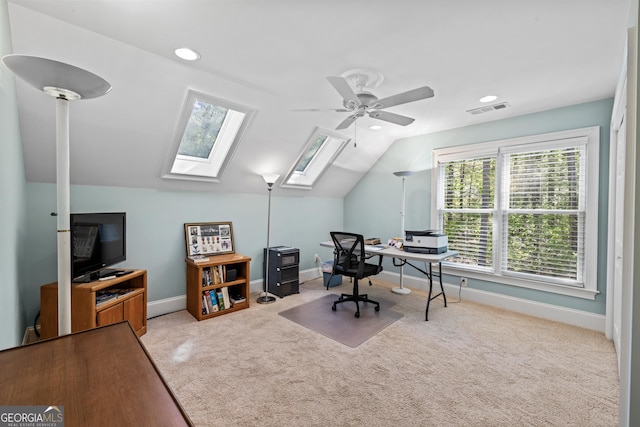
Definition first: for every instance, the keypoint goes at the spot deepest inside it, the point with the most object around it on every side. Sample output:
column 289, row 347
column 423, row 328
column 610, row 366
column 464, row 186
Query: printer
column 425, row 242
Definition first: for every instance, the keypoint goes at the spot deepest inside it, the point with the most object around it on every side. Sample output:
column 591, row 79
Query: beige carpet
column 341, row 325
column 469, row 365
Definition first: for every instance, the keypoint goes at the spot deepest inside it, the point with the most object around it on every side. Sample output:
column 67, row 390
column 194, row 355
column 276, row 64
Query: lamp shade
column 57, row 78
column 403, row 173
column 270, row 178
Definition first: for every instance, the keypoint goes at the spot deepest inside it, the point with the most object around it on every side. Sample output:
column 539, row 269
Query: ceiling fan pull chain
column 355, row 133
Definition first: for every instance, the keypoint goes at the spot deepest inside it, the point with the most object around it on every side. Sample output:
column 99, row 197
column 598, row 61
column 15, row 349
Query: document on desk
column 374, row 247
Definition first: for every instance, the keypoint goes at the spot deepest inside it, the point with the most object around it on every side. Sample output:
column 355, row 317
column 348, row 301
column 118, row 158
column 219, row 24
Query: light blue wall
column 155, row 229
column 12, row 194
column 373, row 206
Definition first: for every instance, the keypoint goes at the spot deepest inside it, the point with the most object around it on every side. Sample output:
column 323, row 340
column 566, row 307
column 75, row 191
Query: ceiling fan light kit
column 360, row 102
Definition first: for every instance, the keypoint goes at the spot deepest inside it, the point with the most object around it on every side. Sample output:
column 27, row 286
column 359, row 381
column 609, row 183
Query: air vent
column 488, row 108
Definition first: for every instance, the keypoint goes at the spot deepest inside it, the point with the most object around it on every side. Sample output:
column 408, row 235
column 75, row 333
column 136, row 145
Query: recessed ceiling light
column 187, row 54
column 488, row 98
column 375, row 127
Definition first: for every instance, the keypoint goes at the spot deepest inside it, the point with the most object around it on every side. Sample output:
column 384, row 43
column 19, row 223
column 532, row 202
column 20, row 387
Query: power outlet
column 463, row 282
column 316, row 258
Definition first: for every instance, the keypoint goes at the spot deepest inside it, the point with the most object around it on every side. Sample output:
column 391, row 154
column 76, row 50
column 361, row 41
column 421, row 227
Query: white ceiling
column 275, row 55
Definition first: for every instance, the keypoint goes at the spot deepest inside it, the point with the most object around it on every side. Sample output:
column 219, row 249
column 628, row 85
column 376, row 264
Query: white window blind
column 543, row 213
column 468, row 206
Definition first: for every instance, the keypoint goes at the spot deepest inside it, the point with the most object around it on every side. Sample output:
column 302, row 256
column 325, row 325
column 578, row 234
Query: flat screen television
column 98, row 240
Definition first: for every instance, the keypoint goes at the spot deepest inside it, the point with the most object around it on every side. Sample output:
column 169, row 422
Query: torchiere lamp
column 65, row 83
column 402, row 290
column 270, row 179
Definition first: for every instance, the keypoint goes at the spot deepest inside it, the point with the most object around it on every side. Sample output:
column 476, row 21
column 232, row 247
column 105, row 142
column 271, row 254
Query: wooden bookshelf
column 230, row 271
column 86, row 313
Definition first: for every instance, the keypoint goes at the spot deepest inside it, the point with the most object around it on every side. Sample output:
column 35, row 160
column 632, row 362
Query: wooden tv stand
column 86, row 314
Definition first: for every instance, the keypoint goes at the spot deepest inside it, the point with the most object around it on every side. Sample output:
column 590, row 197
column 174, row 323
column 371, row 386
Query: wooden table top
column 102, row 376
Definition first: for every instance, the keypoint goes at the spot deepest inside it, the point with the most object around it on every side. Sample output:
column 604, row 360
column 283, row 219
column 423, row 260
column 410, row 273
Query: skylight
column 310, row 154
column 207, row 135
column 319, row 152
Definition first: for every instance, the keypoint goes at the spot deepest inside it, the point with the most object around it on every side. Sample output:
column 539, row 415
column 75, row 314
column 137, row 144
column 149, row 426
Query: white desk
column 401, row 258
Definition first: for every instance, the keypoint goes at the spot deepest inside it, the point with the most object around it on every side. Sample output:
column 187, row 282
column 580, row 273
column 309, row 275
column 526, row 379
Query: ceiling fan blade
column 337, row 110
column 343, row 88
column 347, row 122
column 404, row 97
column 391, row 117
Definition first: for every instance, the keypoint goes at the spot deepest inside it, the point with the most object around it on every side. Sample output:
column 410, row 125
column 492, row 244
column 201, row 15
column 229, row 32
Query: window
column 468, row 209
column 319, row 152
column 310, row 154
column 518, row 210
column 208, row 133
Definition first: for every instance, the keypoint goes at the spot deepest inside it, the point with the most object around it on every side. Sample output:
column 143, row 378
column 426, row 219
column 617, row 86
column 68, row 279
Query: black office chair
column 349, row 260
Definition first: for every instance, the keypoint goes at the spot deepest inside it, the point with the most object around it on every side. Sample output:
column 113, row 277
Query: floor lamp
column 270, row 179
column 402, row 290
column 65, row 83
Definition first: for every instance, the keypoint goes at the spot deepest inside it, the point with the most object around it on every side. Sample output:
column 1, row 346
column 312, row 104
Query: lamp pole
column 270, row 179
column 65, row 83
column 401, row 289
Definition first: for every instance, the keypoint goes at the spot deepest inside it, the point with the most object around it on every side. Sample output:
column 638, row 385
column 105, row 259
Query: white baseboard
column 166, row 306
column 556, row 313
column 583, row 319
column 169, row 305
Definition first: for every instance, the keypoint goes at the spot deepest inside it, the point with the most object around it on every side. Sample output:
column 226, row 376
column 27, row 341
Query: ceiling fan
column 361, row 102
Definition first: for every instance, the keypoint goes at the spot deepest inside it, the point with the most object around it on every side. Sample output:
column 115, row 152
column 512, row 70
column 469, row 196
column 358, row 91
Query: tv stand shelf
column 86, row 313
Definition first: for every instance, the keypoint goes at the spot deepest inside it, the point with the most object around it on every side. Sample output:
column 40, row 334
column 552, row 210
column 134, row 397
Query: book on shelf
column 221, row 271
column 205, row 307
column 122, row 292
column 208, row 301
column 225, row 297
column 198, row 258
column 104, row 296
column 216, row 275
column 236, row 299
column 206, row 277
column 221, row 305
column 214, row 301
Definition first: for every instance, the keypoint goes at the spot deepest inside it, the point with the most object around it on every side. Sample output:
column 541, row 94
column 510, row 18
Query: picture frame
column 209, row 238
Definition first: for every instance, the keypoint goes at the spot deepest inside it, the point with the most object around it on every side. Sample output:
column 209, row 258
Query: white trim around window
column 586, row 286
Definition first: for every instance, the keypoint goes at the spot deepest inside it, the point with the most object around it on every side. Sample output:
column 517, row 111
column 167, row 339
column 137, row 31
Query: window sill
column 197, row 178
column 571, row 291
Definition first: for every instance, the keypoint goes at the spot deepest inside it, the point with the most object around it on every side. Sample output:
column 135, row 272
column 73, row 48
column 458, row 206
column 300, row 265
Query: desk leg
column 441, row 287
column 431, row 296
column 430, row 275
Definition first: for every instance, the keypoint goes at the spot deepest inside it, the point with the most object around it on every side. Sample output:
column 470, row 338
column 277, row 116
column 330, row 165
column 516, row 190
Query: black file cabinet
column 283, row 270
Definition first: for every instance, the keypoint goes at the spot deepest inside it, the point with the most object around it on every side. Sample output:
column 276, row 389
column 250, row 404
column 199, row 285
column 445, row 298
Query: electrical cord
column 35, row 324
column 459, row 294
column 319, row 261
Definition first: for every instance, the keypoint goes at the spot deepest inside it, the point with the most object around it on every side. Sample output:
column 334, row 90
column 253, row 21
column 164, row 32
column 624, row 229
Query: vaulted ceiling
column 275, row 55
